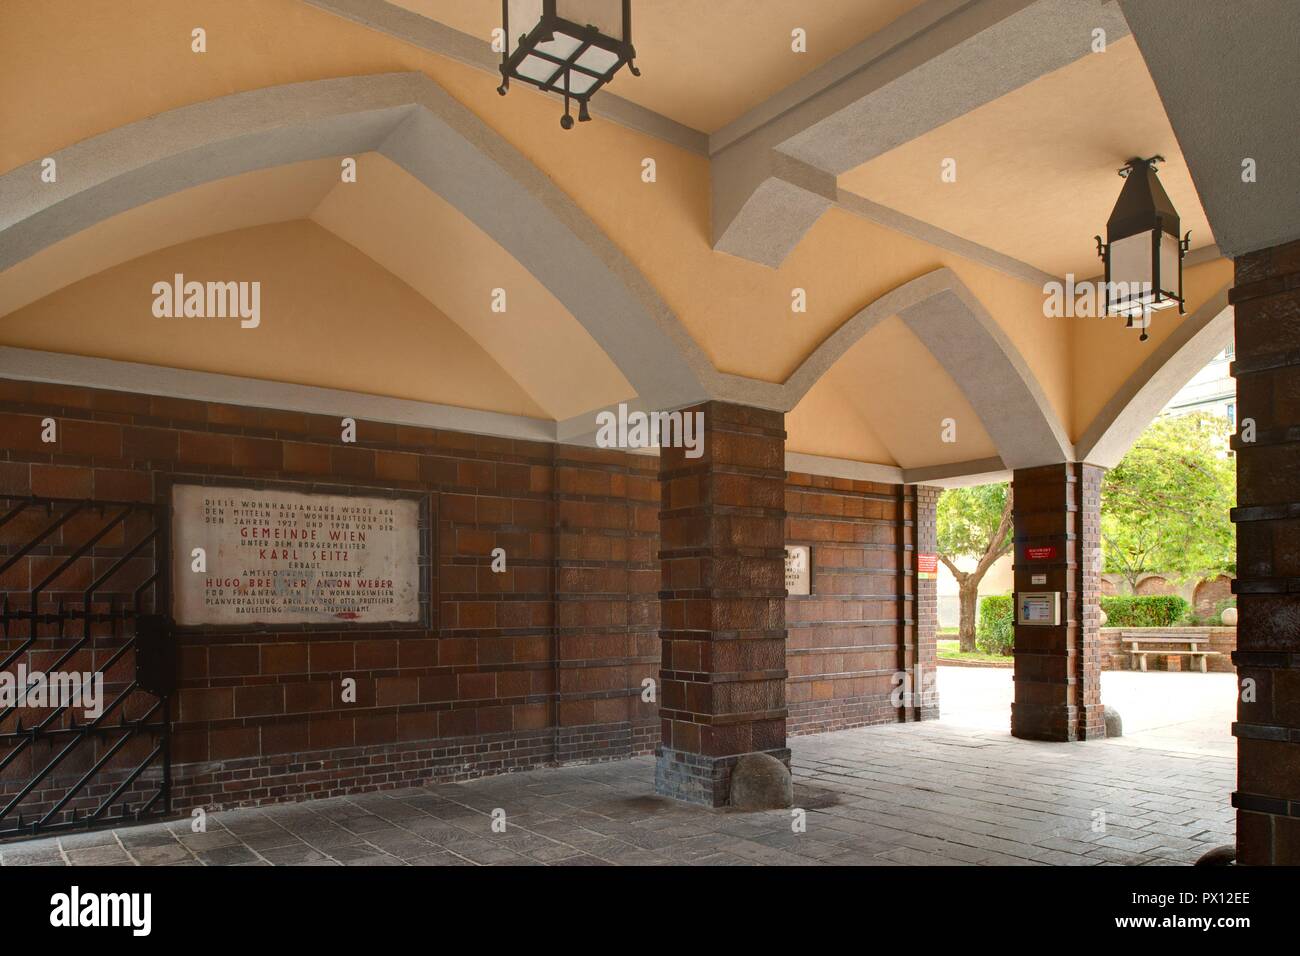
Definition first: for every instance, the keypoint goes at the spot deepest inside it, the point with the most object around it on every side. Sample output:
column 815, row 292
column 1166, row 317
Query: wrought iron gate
column 80, row 596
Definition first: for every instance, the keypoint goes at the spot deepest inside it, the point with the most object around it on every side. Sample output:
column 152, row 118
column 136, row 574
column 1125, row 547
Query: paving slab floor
column 958, row 790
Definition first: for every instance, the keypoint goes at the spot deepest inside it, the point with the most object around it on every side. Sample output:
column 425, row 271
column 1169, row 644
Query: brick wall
column 858, row 629
column 1209, row 593
column 541, row 664
column 606, row 602
column 1266, row 307
column 258, row 716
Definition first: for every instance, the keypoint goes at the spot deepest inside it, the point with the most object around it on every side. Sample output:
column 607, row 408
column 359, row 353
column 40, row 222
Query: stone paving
column 939, row 792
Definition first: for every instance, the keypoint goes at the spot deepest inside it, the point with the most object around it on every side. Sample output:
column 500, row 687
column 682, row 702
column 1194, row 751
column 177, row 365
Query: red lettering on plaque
column 927, row 566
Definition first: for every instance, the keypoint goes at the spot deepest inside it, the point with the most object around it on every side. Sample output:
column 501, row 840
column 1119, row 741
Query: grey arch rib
column 411, row 120
column 1187, row 350
column 960, row 333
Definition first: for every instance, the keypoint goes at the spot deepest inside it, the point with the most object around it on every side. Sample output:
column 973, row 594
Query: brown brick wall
column 543, row 663
column 606, row 601
column 1209, row 593
column 258, row 716
column 1266, row 304
column 854, row 637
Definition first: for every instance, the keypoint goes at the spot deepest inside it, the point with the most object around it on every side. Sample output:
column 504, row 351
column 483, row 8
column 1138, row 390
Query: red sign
column 1044, row 553
column 927, row 566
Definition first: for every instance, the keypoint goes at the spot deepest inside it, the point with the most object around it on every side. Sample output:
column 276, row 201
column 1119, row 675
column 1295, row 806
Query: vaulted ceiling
column 1036, row 122
column 704, row 64
column 1035, row 170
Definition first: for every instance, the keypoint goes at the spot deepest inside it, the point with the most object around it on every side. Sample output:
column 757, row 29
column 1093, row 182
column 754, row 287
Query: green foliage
column 1152, row 610
column 996, row 632
column 1165, row 506
column 967, row 518
column 951, row 651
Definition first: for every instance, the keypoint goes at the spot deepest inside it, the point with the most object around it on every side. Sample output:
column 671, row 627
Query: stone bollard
column 1114, row 725
column 761, row 782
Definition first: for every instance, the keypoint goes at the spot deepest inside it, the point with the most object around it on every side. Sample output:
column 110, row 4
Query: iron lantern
column 569, row 47
column 1142, row 253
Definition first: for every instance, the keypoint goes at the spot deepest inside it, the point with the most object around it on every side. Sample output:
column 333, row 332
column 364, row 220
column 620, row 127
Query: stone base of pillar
column 1057, row 722
column 695, row 778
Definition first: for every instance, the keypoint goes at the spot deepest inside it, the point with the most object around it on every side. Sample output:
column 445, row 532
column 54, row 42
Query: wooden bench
column 1140, row 646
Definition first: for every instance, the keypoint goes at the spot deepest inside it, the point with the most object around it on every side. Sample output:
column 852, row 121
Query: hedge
column 996, row 633
column 1154, row 610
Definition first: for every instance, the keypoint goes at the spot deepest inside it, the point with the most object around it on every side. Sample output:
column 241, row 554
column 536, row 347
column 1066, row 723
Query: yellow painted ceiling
column 1036, row 169
column 429, row 245
column 704, row 63
column 890, row 380
column 397, row 222
column 279, row 194
column 737, row 311
column 133, row 61
column 1105, row 352
column 330, row 317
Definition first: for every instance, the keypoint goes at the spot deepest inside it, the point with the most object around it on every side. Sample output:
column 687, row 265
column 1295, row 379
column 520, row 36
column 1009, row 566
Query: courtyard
column 956, row 791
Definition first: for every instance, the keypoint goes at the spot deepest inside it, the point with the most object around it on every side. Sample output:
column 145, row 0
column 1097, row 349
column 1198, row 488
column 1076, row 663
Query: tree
column 974, row 523
column 1164, row 507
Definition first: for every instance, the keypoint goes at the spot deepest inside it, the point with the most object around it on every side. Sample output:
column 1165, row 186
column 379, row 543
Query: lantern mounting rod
column 1135, row 162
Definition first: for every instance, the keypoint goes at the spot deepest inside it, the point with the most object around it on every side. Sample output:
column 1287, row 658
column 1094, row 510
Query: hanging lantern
column 570, row 47
column 1142, row 253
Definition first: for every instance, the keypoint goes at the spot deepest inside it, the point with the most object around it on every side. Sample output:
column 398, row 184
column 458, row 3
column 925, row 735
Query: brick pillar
column 1057, row 517
column 722, row 527
column 927, row 602
column 1266, row 302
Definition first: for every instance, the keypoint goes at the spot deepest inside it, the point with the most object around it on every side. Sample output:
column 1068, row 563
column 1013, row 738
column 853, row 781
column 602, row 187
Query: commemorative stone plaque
column 283, row 557
column 798, row 572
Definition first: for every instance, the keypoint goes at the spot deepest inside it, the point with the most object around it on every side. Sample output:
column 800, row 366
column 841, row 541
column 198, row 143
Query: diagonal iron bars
column 90, row 586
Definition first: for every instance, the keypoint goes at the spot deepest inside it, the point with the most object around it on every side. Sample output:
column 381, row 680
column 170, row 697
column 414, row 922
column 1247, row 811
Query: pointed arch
column 1188, row 349
column 950, row 321
column 409, row 119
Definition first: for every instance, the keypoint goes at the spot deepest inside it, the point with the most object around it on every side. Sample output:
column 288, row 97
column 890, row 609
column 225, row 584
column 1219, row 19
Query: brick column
column 1266, row 302
column 722, row 527
column 927, row 602
column 1057, row 517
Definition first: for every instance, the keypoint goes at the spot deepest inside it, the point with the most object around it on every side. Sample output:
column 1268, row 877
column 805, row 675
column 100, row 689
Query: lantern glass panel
column 1170, row 253
column 561, row 47
column 524, row 17
column 535, row 68
column 597, row 60
column 605, row 15
column 579, row 83
column 1130, row 272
